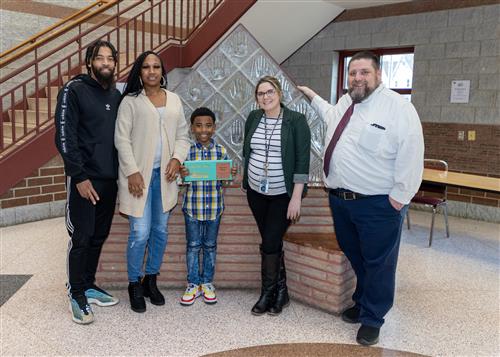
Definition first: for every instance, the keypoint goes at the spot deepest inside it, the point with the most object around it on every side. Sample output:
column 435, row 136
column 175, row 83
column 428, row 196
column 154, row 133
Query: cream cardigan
column 136, row 135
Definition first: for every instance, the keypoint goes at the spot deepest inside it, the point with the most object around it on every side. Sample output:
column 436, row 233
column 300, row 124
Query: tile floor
column 447, row 303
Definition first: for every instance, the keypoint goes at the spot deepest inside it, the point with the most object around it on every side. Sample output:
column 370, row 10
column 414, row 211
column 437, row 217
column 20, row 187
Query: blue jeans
column 201, row 234
column 149, row 230
column 368, row 231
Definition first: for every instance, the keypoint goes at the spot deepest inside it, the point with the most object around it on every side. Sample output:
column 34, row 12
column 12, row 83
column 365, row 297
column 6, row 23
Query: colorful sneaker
column 208, row 293
column 96, row 295
column 190, row 295
column 80, row 310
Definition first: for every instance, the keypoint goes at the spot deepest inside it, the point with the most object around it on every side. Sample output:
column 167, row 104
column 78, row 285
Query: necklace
column 267, row 143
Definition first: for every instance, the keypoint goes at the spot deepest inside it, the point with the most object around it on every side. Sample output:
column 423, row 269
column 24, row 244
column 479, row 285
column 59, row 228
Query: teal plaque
column 208, row 170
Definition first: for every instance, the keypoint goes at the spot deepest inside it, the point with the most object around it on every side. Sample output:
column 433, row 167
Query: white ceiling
column 355, row 4
column 282, row 26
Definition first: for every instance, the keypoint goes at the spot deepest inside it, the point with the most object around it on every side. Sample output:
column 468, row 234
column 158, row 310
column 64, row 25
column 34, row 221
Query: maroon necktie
column 336, row 136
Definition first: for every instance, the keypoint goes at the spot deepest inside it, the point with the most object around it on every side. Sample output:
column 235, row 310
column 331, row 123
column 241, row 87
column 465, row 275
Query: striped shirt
column 204, row 200
column 267, row 137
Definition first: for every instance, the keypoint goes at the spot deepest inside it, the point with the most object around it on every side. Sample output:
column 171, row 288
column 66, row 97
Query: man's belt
column 346, row 194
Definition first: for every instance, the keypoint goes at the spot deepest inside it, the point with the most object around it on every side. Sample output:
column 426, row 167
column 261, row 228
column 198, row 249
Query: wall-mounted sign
column 460, row 91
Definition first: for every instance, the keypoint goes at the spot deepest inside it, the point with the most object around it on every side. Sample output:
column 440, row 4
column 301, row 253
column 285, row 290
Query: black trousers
column 270, row 214
column 88, row 227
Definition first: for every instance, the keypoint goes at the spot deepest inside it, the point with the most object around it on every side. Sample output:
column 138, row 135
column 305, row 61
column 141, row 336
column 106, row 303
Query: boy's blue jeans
column 201, row 235
column 149, row 230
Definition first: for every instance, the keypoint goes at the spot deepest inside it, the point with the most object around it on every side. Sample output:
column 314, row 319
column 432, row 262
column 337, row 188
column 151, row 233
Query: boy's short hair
column 202, row 111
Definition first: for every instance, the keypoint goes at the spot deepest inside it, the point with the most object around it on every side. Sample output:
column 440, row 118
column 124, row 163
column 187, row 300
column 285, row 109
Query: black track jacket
column 85, row 127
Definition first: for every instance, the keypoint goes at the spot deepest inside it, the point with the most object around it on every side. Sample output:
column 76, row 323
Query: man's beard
column 106, row 80
column 358, row 96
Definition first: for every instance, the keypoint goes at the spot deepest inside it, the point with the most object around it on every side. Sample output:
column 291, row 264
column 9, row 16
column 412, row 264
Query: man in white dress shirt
column 373, row 167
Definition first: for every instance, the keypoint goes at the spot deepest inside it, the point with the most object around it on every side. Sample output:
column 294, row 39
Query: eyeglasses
column 269, row 93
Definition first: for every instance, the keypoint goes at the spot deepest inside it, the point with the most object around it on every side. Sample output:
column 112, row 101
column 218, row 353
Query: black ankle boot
column 135, row 294
column 282, row 299
column 269, row 274
column 151, row 290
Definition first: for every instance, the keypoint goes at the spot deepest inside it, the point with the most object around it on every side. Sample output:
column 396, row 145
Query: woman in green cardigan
column 276, row 153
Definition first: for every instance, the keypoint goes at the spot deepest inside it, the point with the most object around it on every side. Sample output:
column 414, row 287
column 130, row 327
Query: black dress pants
column 270, row 214
column 88, row 227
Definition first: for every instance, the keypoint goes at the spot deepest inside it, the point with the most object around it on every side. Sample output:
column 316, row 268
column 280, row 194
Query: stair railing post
column 37, row 99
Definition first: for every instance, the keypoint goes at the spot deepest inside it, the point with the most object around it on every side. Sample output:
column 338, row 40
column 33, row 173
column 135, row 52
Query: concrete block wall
column 451, row 44
column 19, row 21
column 15, row 31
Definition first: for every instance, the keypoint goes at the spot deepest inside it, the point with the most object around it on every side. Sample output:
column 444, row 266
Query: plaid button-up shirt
column 204, row 200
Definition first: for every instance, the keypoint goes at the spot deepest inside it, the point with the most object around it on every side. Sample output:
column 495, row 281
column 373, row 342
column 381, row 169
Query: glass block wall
column 224, row 81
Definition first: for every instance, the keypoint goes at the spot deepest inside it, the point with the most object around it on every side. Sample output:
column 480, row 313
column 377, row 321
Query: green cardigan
column 295, row 146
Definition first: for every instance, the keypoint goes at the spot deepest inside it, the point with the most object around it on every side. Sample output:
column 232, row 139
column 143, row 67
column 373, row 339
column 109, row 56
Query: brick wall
column 319, row 278
column 318, row 272
column 238, row 259
column 441, row 142
column 45, row 184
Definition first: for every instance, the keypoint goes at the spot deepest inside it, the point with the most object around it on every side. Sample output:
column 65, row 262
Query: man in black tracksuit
column 85, row 124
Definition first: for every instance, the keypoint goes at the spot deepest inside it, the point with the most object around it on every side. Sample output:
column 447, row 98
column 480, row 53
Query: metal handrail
column 131, row 34
column 34, row 42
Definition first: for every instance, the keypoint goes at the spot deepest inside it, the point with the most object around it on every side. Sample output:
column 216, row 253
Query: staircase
column 34, row 72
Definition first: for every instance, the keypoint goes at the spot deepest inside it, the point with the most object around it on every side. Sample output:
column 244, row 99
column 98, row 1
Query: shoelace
column 138, row 293
column 85, row 308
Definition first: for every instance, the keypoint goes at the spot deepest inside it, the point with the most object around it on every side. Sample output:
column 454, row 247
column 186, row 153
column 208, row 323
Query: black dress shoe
column 351, row 315
column 367, row 335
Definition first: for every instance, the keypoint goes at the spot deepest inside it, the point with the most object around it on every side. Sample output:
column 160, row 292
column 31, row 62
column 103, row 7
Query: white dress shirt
column 381, row 151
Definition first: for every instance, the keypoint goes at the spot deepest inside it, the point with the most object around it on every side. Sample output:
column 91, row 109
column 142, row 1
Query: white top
column 157, row 161
column 381, row 151
column 258, row 146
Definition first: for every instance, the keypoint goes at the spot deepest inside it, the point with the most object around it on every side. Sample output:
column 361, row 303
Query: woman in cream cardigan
column 152, row 140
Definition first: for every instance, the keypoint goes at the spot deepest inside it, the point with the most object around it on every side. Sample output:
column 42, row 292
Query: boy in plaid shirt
column 203, row 206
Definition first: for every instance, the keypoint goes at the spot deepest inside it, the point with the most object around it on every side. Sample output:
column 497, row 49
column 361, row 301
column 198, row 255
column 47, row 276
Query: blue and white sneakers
column 80, row 309
column 79, row 305
column 100, row 297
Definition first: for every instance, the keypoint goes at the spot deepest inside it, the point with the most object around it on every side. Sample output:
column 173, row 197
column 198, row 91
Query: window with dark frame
column 396, row 65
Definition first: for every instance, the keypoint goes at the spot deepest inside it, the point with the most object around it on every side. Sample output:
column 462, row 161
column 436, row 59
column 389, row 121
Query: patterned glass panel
column 238, row 90
column 216, row 68
column 239, row 45
column 194, row 90
column 259, row 65
column 222, row 109
column 225, row 82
